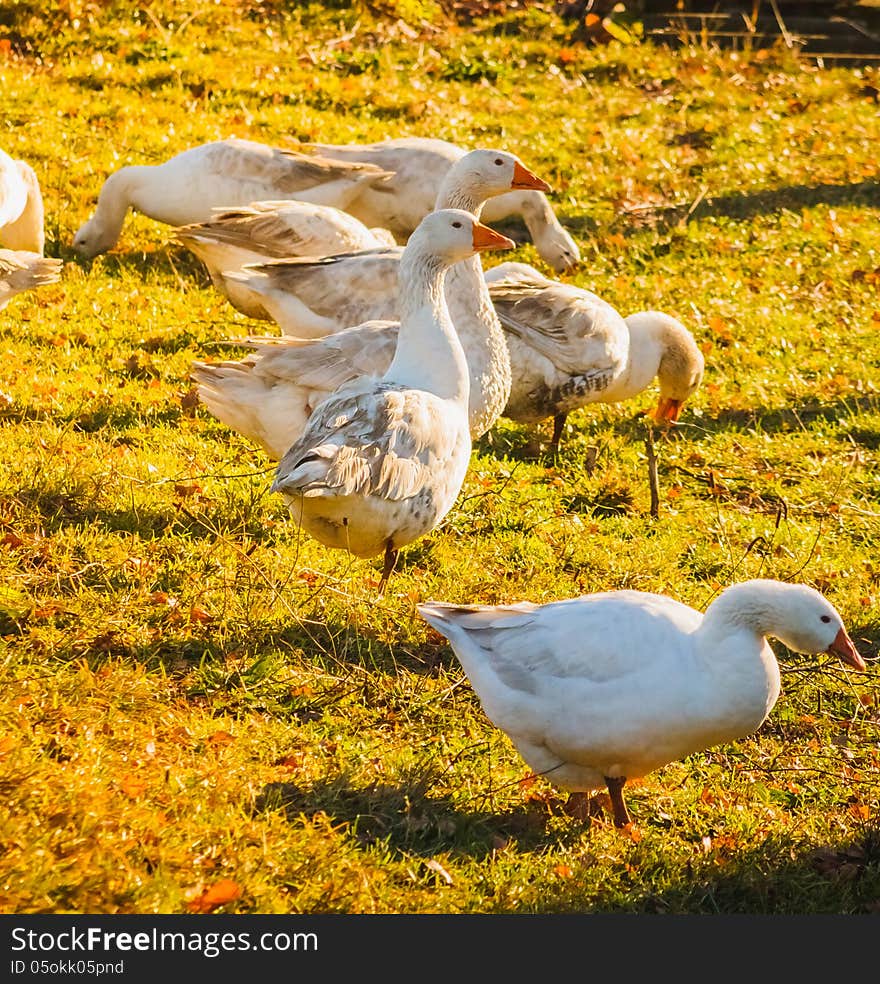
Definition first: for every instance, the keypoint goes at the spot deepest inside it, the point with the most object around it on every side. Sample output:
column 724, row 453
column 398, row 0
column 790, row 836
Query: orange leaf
column 133, row 787
column 220, row 738
column 197, row 614
column 221, row 892
column 184, row 491
column 563, row 871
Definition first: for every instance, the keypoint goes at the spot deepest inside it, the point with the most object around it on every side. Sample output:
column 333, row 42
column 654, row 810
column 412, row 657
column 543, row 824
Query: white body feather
column 620, row 683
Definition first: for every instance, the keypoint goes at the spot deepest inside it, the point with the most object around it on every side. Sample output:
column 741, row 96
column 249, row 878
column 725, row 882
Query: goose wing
column 377, row 441
column 572, row 328
column 363, row 284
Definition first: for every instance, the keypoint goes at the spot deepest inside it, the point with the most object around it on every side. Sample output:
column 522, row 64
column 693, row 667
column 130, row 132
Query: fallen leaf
column 221, row 892
column 133, row 787
column 438, row 868
column 185, row 491
column 563, row 871
column 220, row 738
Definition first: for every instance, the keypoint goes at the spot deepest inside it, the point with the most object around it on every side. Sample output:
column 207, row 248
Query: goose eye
column 499, row 162
column 456, row 225
column 826, row 618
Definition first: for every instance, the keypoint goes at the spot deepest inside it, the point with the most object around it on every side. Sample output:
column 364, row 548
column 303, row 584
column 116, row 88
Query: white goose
column 22, row 270
column 21, row 206
column 223, row 173
column 382, row 460
column 419, row 165
column 310, row 298
column 569, row 348
column 269, row 395
column 269, row 230
column 607, row 687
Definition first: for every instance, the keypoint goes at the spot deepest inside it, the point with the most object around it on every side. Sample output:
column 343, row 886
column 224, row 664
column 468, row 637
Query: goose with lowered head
column 382, row 460
column 569, row 348
column 269, row 395
column 225, row 173
column 420, row 164
column 596, row 690
column 309, row 298
column 272, row 230
column 21, row 206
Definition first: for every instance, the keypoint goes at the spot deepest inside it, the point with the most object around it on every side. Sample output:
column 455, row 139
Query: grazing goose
column 569, row 348
column 264, row 231
column 382, row 460
column 21, row 207
column 22, row 270
column 607, row 687
column 419, row 165
column 310, row 298
column 225, row 173
column 269, row 395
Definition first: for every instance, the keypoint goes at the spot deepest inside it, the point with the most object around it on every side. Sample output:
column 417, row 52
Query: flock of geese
column 393, row 352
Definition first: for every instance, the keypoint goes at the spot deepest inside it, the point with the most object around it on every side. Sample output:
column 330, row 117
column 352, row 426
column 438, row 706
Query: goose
column 269, row 395
column 310, row 298
column 22, row 270
column 226, row 173
column 382, row 459
column 596, row 690
column 267, row 230
column 419, row 165
column 21, row 206
column 569, row 348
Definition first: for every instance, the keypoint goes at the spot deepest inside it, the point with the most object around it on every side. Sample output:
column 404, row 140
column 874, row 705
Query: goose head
column 453, row 234
column 556, row 246
column 681, row 367
column 94, row 237
column 482, row 174
column 101, row 232
column 795, row 614
column 809, row 623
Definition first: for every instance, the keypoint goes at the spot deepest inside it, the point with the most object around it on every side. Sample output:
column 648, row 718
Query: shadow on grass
column 790, row 198
column 168, row 260
column 62, row 508
column 406, row 817
column 781, row 875
column 746, row 205
column 529, row 443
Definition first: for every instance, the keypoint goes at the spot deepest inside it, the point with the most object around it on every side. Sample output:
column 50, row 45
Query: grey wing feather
column 325, row 363
column 362, row 285
column 372, row 442
column 566, row 325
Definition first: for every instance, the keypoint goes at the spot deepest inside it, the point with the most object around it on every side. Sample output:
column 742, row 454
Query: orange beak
column 668, row 409
column 844, row 648
column 523, row 178
column 486, row 238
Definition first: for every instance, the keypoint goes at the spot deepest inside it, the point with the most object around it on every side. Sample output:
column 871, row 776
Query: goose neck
column 644, row 353
column 429, row 355
column 456, row 193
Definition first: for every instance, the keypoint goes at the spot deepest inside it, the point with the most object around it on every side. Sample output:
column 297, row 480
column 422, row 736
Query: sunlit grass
column 194, row 693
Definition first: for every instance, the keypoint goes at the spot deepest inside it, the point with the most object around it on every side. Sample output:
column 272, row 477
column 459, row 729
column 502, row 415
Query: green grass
column 194, row 693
